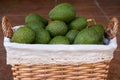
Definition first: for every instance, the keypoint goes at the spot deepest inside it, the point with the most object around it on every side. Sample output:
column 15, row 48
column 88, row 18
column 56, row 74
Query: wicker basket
column 84, row 71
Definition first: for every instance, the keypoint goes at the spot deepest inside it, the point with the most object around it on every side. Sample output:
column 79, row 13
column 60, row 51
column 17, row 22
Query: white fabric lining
column 31, row 54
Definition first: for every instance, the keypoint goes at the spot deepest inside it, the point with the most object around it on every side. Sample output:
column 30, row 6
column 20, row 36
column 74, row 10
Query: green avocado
column 23, row 34
column 59, row 40
column 64, row 12
column 42, row 36
column 92, row 35
column 35, row 25
column 57, row 28
column 71, row 35
column 35, row 17
column 100, row 31
column 78, row 23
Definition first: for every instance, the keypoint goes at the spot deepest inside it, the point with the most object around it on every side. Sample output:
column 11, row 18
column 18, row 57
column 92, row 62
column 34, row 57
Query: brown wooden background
column 101, row 10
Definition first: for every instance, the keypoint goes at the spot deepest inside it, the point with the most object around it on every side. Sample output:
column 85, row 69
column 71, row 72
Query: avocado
column 35, row 25
column 35, row 17
column 23, row 34
column 64, row 12
column 71, row 35
column 92, row 35
column 59, row 40
column 57, row 28
column 78, row 23
column 42, row 36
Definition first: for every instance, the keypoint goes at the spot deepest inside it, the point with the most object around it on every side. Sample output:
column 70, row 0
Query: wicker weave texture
column 97, row 71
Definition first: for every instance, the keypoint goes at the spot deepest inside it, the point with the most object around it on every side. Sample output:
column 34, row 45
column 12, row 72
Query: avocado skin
column 64, row 12
column 92, row 35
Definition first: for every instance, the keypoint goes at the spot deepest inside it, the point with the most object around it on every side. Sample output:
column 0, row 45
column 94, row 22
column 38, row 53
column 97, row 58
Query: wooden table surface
column 101, row 10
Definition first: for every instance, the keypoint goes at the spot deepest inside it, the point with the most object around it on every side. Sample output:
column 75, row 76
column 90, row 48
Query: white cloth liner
column 32, row 54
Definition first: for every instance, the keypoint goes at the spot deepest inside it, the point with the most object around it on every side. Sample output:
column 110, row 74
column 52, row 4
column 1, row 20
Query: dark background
column 101, row 10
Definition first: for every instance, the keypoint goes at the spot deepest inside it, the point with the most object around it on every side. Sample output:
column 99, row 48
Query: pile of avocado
column 64, row 27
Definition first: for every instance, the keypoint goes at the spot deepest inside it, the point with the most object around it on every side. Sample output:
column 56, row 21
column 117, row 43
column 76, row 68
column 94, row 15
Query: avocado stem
column 91, row 20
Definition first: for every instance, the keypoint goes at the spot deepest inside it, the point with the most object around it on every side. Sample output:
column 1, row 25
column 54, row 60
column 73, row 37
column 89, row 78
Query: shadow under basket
column 59, row 62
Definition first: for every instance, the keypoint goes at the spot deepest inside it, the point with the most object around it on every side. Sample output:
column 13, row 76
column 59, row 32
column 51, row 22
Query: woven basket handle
column 112, row 28
column 7, row 27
